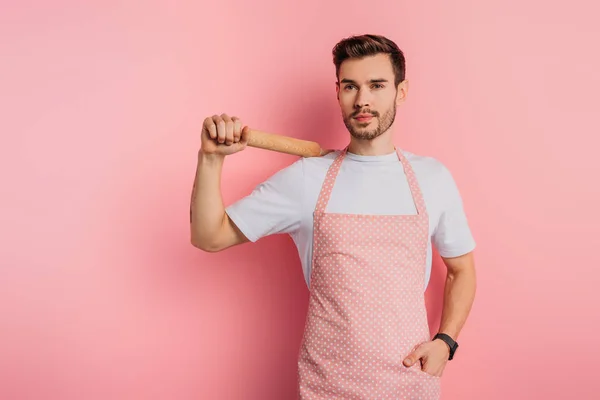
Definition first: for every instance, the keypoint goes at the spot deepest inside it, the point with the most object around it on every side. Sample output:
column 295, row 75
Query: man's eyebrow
column 380, row 80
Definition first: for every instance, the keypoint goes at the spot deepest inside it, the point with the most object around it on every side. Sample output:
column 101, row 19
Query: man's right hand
column 223, row 135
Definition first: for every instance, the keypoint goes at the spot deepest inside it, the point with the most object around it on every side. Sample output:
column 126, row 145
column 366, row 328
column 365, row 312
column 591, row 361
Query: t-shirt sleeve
column 273, row 207
column 452, row 236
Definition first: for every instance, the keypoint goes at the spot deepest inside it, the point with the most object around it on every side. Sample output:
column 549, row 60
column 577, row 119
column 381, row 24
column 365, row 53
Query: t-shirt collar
column 393, row 156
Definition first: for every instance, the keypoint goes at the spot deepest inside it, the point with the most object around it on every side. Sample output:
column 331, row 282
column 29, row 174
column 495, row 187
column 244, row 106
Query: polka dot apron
column 367, row 305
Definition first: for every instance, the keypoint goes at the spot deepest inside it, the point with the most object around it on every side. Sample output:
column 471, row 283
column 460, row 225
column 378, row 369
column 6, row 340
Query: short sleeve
column 452, row 236
column 273, row 207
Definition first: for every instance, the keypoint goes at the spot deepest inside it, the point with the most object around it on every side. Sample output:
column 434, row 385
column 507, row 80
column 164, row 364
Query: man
column 363, row 219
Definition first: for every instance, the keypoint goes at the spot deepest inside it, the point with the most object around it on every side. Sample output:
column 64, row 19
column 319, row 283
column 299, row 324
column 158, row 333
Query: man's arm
column 211, row 228
column 455, row 243
column 459, row 293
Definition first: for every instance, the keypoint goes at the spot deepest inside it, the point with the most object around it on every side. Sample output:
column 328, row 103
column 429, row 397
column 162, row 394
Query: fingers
column 224, row 129
column 410, row 360
column 221, row 128
column 414, row 356
column 237, row 129
column 228, row 128
column 210, row 127
column 244, row 136
column 428, row 357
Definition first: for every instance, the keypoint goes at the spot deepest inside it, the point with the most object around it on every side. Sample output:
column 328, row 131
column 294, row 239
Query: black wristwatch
column 449, row 341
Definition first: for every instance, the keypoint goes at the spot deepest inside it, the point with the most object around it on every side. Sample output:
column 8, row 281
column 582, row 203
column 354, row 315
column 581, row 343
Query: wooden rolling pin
column 284, row 144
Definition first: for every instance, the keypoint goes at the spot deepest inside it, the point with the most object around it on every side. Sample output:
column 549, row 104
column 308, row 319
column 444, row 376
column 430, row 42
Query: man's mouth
column 363, row 117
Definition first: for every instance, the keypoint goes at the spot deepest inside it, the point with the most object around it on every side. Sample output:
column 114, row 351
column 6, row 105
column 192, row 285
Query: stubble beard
column 357, row 129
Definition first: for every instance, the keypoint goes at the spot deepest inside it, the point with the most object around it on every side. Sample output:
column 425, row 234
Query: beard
column 359, row 130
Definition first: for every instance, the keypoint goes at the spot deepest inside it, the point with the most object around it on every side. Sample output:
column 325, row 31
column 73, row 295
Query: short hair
column 361, row 46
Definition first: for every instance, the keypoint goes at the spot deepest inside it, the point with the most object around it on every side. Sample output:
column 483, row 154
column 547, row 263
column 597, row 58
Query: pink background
column 103, row 297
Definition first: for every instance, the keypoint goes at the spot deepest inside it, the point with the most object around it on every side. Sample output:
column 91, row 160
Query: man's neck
column 379, row 146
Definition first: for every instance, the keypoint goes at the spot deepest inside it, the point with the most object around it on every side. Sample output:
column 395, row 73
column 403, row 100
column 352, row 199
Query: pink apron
column 367, row 303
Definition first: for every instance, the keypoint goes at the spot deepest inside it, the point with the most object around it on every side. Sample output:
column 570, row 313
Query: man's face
column 368, row 96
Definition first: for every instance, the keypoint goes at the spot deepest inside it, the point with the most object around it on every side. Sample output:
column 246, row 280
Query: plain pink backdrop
column 103, row 297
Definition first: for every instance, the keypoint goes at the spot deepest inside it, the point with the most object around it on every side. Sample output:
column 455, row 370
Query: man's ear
column 337, row 90
column 402, row 92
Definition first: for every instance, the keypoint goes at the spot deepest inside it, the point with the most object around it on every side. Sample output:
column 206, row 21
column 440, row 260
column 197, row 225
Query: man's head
column 370, row 72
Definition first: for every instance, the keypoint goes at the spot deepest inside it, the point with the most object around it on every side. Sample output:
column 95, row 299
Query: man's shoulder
column 314, row 164
column 326, row 159
column 426, row 166
column 435, row 178
column 304, row 166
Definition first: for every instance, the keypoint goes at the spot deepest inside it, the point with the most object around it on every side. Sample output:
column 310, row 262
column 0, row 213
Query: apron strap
column 327, row 186
column 415, row 189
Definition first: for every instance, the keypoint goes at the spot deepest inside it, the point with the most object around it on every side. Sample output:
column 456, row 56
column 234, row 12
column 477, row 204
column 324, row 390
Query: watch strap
column 452, row 344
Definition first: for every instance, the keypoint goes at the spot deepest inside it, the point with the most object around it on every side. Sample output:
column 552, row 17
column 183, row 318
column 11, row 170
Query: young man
column 364, row 220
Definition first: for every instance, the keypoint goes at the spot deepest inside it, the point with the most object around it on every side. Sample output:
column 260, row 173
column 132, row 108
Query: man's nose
column 362, row 100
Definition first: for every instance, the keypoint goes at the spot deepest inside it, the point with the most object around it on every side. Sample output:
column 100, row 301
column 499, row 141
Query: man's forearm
column 459, row 294
column 206, row 206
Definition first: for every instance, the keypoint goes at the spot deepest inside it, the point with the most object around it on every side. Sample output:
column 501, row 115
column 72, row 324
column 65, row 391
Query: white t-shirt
column 285, row 202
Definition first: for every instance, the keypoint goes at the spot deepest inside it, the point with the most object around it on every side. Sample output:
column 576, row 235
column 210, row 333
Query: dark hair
column 369, row 45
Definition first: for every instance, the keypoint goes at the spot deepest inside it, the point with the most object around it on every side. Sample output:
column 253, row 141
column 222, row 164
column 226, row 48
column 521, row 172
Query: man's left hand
column 433, row 356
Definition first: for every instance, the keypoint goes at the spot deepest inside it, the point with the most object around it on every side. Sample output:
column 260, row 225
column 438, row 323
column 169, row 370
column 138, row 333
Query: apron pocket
column 419, row 371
